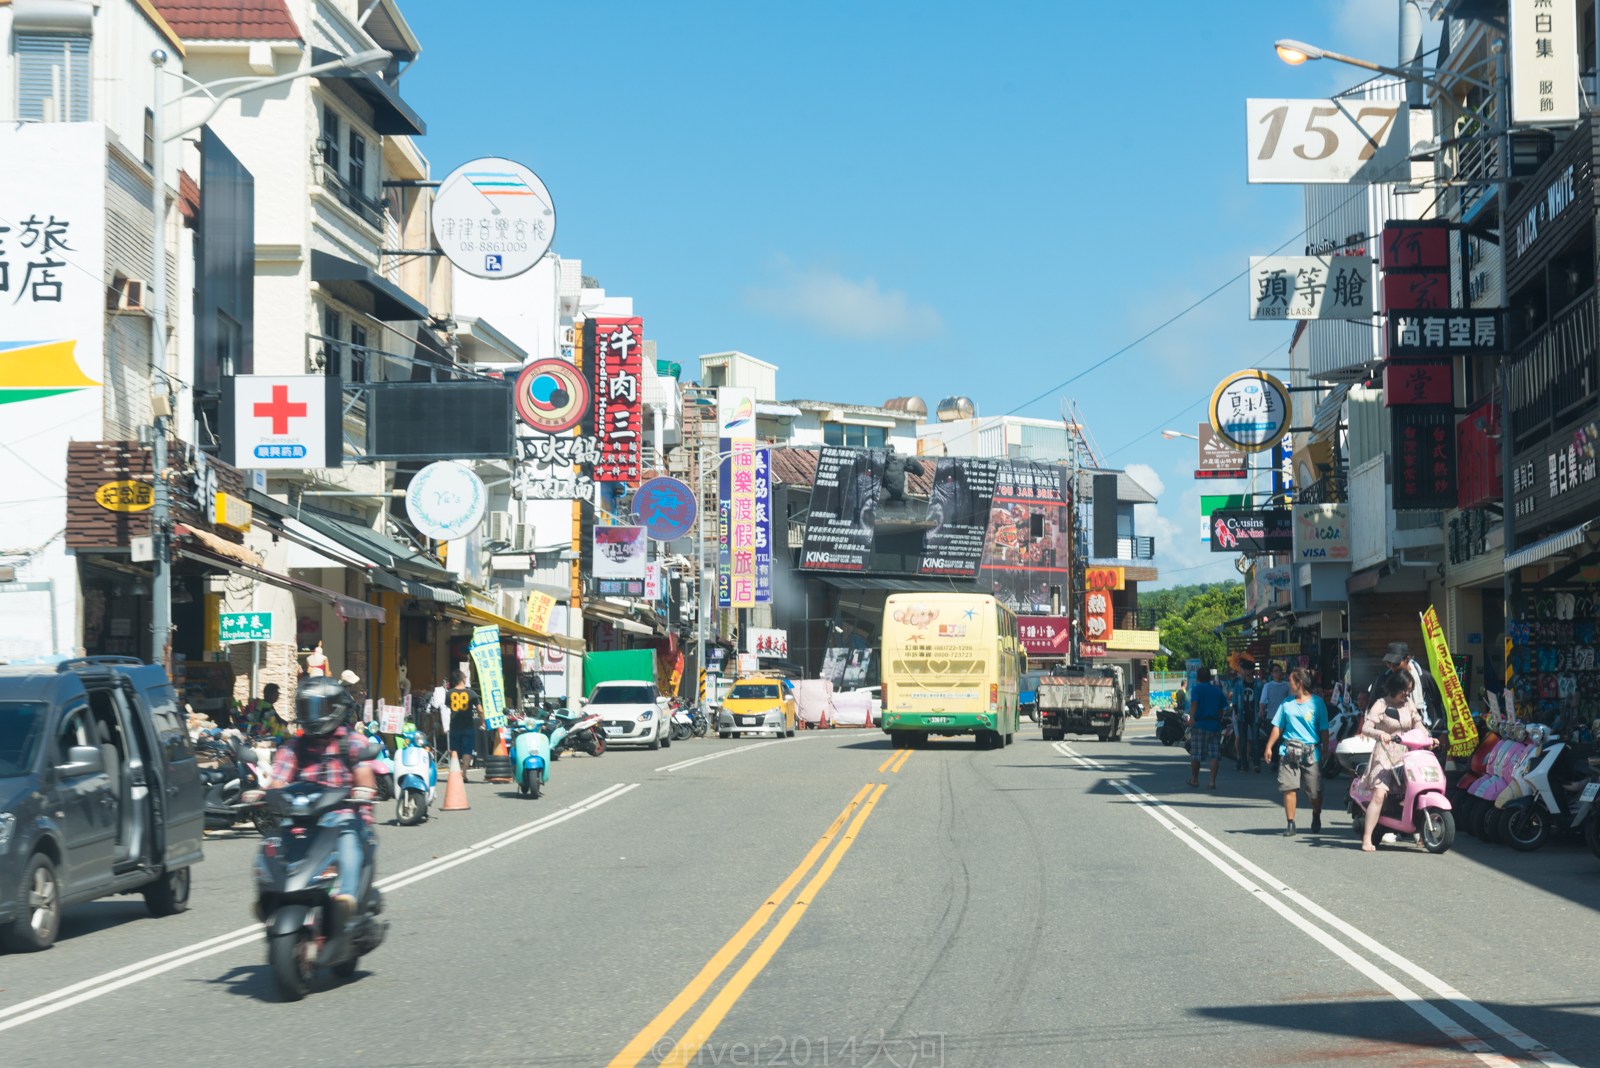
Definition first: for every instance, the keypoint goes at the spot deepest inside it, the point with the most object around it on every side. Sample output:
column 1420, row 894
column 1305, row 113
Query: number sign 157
column 1338, row 141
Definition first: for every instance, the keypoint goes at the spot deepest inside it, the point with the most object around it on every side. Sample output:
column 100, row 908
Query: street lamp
column 1170, row 434
column 160, row 510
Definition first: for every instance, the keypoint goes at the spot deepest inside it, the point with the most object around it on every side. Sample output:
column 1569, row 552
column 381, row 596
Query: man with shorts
column 1206, row 705
column 1301, row 723
column 464, row 707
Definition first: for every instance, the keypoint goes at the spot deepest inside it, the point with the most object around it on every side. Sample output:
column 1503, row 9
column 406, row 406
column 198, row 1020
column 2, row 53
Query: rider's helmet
column 322, row 706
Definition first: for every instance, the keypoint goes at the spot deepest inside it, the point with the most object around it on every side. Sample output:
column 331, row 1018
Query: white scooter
column 1555, row 784
column 682, row 723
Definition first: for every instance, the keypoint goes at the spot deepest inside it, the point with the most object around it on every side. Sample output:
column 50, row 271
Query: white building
column 1002, row 437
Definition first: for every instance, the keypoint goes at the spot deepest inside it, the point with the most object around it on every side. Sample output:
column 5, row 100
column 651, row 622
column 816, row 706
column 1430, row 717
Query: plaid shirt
column 328, row 761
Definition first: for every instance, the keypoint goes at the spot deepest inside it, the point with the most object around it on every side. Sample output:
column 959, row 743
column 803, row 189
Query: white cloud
column 842, row 307
column 1146, row 476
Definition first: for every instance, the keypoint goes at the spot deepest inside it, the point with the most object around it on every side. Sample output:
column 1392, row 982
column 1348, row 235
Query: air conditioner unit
column 522, row 541
column 501, row 528
column 132, row 296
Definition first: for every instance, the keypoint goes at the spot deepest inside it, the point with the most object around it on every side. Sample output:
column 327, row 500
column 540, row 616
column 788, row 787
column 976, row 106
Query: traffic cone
column 455, row 787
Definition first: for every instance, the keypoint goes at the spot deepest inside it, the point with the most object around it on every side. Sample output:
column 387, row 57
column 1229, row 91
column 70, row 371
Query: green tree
column 1191, row 617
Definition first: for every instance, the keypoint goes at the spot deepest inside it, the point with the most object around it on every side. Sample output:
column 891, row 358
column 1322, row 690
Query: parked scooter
column 697, row 720
column 297, row 871
column 236, row 772
column 1420, row 807
column 576, row 730
column 416, row 777
column 682, row 722
column 382, row 765
column 530, row 753
column 1170, row 727
column 1343, row 725
column 1555, row 782
column 1135, row 709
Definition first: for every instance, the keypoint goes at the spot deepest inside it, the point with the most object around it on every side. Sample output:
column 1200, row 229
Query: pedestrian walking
column 1245, row 688
column 1300, row 737
column 466, row 709
column 1273, row 694
column 1206, row 706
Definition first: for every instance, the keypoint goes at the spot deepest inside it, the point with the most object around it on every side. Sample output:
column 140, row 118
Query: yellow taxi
column 757, row 705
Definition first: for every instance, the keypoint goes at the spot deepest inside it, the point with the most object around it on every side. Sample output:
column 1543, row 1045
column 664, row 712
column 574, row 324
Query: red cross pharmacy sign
column 282, row 421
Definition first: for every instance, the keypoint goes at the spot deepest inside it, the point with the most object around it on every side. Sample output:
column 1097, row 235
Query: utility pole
column 160, row 510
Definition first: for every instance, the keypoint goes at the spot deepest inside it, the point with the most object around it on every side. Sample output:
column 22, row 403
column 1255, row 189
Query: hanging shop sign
column 666, row 507
column 1286, row 649
column 1091, row 649
column 1478, row 466
column 552, row 396
column 652, row 581
column 486, row 657
column 1558, row 479
column 1267, row 588
column 493, row 218
column 1311, row 287
column 1327, row 141
column 446, row 500
column 620, row 558
column 1027, row 550
column 1267, row 531
column 1413, row 289
column 277, row 422
column 1411, row 245
column 1544, row 62
column 744, row 525
column 1097, row 616
column 229, row 511
column 1210, row 504
column 1045, row 636
column 245, row 627
column 615, row 360
column 125, row 495
column 844, row 504
column 1321, row 533
column 958, row 508
column 550, row 451
column 1218, row 459
column 1450, row 332
column 766, row 641
column 539, row 608
column 1417, row 383
column 1424, row 442
column 1250, row 411
column 1104, row 578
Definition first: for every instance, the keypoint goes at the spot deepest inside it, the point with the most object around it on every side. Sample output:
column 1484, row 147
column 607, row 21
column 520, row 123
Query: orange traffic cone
column 455, row 787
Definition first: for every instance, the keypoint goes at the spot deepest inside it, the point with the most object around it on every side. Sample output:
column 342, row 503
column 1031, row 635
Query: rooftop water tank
column 910, row 405
column 953, row 408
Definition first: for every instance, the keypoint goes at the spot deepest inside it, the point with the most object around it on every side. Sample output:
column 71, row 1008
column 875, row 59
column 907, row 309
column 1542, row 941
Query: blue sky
column 888, row 199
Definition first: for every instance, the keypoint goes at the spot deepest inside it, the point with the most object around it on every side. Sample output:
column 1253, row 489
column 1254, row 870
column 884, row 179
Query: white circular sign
column 493, row 218
column 1250, row 411
column 446, row 500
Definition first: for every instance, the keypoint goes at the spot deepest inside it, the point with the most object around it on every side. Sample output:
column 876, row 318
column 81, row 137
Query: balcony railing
column 1133, row 619
column 1136, row 548
column 366, row 209
column 1554, row 374
column 1329, row 489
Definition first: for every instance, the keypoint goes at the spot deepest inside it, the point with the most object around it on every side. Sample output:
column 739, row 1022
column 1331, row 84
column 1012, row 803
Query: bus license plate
column 1590, row 792
column 938, row 719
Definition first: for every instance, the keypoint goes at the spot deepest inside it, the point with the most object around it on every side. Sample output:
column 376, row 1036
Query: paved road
column 825, row 900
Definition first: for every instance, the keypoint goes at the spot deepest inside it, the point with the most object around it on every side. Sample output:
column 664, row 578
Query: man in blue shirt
column 1206, row 705
column 1302, row 725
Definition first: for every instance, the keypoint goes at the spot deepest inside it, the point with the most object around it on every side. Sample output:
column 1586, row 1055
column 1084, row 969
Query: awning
column 390, row 115
column 1556, row 543
column 221, row 546
column 619, row 621
column 510, row 628
column 363, row 541
column 482, row 343
column 787, row 411
column 348, row 608
column 901, row 585
column 357, row 285
column 420, row 590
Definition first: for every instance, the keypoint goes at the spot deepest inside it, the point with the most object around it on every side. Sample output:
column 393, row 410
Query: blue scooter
column 531, row 757
column 416, row 775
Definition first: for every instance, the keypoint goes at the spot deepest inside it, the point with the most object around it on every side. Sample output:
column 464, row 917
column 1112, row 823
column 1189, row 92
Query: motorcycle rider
column 1386, row 720
column 327, row 751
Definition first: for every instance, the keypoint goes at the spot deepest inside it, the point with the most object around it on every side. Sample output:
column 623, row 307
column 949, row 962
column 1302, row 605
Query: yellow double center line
column 897, row 759
column 701, row 1029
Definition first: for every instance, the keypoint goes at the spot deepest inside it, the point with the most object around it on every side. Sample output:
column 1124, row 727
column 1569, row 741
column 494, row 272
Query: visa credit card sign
column 1321, row 533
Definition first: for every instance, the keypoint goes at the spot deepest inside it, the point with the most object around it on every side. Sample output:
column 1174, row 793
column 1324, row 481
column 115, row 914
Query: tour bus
column 951, row 665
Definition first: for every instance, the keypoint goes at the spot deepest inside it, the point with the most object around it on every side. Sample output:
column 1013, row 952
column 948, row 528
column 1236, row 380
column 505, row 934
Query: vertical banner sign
column 539, row 606
column 736, row 498
column 616, row 367
column 1097, row 618
column 844, row 504
column 763, row 509
column 1544, row 62
column 1463, row 732
column 1424, row 443
column 958, row 508
column 485, row 650
column 1028, row 547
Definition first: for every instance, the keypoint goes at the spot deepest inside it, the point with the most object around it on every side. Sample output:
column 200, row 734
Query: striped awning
column 1556, row 543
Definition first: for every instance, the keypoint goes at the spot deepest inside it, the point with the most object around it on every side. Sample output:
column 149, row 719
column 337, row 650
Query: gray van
column 100, row 793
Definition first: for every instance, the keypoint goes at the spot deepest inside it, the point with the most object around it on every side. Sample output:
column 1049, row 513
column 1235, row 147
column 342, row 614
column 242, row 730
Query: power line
column 1168, row 420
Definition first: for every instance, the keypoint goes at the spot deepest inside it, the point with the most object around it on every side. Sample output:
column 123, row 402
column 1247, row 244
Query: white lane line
column 1440, row 988
column 1468, row 1041
column 727, row 752
column 99, row 985
column 1067, row 751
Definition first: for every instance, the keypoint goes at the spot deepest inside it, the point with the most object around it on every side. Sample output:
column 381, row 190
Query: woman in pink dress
column 1387, row 719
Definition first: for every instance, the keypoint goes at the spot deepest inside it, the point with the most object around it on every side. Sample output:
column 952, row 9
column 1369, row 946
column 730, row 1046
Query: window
column 21, row 728
column 163, row 704
column 230, row 344
column 149, row 138
column 753, row 692
column 52, row 77
column 358, row 353
column 358, row 163
column 332, row 327
column 852, row 436
column 330, row 138
column 623, row 695
column 76, row 730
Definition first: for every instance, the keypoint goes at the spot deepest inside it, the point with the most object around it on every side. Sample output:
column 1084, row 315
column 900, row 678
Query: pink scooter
column 1424, row 810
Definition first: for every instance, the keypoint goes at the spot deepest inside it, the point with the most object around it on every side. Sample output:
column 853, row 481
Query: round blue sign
column 666, row 507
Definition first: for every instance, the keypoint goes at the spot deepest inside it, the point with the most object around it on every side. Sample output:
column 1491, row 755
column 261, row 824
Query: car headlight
column 646, row 717
column 8, row 824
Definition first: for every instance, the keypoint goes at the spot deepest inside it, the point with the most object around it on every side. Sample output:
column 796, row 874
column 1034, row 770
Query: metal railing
column 1136, row 548
column 1133, row 619
column 1554, row 373
column 369, row 211
column 1329, row 489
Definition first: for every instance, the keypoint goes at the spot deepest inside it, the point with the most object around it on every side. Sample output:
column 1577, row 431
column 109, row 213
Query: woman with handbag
column 1301, row 724
column 1388, row 718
